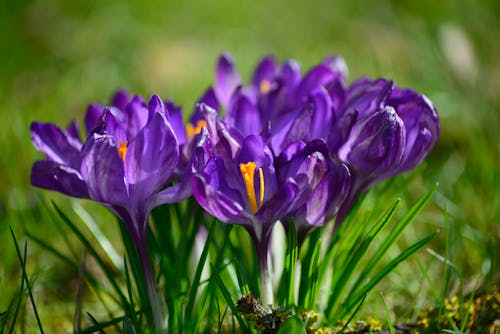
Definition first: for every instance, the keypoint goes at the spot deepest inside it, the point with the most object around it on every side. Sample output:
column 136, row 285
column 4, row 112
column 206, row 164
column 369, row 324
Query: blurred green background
column 57, row 56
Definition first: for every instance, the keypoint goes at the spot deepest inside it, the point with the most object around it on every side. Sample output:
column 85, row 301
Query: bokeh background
column 57, row 56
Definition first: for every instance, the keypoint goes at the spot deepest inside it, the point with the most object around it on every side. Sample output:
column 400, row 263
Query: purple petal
column 112, row 126
column 202, row 152
column 313, row 120
column 175, row 193
column 212, row 192
column 73, row 130
column 254, row 149
column 136, row 116
column 337, row 92
column 341, row 130
column 280, row 205
column 121, row 99
column 56, row 144
column 366, row 96
column 375, row 146
column 318, row 76
column 322, row 117
column 265, row 71
column 227, row 80
column 176, row 121
column 102, row 170
column 421, row 124
column 92, row 116
column 337, row 64
column 243, row 115
column 325, row 201
column 53, row 176
column 290, row 74
column 151, row 158
column 209, row 99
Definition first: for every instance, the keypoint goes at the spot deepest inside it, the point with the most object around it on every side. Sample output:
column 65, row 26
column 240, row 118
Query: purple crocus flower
column 130, row 153
column 326, row 196
column 381, row 131
column 238, row 182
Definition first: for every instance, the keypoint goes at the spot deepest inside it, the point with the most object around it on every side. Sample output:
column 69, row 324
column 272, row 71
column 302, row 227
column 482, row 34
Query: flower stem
column 266, row 283
column 265, row 270
column 156, row 307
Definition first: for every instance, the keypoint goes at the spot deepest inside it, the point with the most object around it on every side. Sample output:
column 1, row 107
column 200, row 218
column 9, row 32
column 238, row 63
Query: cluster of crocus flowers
column 371, row 127
column 286, row 147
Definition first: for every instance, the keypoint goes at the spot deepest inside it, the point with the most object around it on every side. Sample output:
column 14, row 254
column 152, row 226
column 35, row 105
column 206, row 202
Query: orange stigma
column 122, row 150
column 248, row 172
column 194, row 130
column 265, row 86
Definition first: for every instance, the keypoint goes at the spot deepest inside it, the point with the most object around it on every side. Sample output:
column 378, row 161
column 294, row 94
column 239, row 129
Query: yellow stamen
column 265, row 86
column 122, row 150
column 248, row 172
column 194, row 130
column 261, row 179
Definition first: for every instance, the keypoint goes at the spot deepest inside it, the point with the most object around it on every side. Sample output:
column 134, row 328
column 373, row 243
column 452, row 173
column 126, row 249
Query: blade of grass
column 25, row 277
column 229, row 300
column 128, row 281
column 356, row 310
column 92, row 251
column 354, row 254
column 135, row 266
column 101, row 238
column 197, row 276
column 19, row 301
column 354, row 298
column 388, row 316
column 287, row 286
column 88, row 276
column 312, row 278
column 77, row 320
column 395, row 233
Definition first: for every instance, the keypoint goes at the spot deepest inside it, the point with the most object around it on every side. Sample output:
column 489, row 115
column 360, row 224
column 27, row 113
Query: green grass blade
column 19, row 301
column 128, row 281
column 387, row 313
column 92, row 251
column 353, row 314
column 396, row 232
column 88, row 276
column 227, row 296
column 355, row 298
column 357, row 242
column 104, row 243
column 77, row 319
column 312, row 278
column 286, row 293
column 197, row 276
column 135, row 266
column 25, row 277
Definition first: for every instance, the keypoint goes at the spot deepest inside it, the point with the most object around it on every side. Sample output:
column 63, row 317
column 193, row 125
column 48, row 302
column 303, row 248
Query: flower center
column 194, row 130
column 122, row 150
column 265, row 86
column 248, row 172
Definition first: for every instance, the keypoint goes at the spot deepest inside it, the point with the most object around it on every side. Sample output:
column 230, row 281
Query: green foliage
column 53, row 63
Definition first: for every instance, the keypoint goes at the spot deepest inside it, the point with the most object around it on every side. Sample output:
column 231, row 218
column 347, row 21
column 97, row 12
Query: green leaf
column 197, row 276
column 357, row 242
column 384, row 272
column 102, row 264
column 22, row 262
column 286, row 295
column 227, row 296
